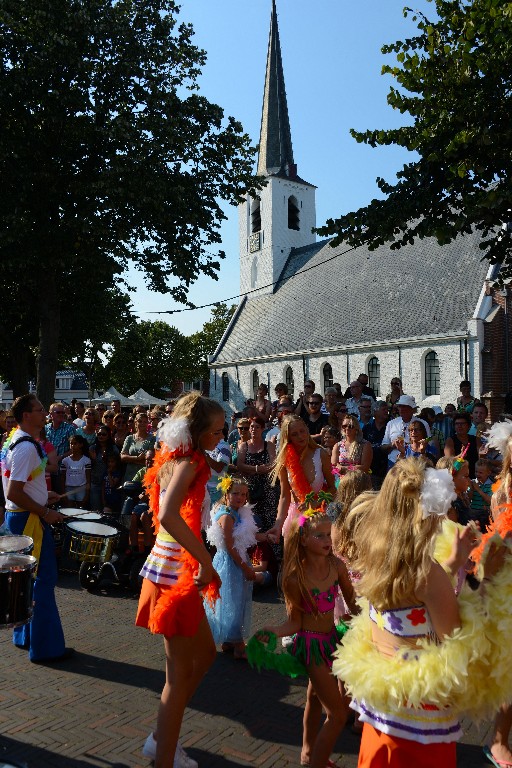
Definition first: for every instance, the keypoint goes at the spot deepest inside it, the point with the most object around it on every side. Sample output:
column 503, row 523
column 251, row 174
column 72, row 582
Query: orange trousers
column 378, row 750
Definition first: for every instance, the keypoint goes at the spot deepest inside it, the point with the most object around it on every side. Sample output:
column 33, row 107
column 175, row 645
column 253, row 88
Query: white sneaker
column 181, row 759
column 287, row 640
column 149, row 748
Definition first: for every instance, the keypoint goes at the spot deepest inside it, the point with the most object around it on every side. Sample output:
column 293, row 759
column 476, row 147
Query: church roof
column 275, row 156
column 337, row 297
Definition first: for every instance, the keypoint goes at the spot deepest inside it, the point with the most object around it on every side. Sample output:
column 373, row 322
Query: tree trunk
column 49, row 334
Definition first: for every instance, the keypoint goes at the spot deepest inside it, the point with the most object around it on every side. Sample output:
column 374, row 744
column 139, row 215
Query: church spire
column 276, row 153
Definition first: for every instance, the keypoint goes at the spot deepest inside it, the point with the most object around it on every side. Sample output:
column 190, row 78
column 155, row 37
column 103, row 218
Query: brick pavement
column 97, row 709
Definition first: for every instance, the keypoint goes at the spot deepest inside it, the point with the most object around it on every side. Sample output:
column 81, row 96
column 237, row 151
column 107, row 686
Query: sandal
column 494, row 760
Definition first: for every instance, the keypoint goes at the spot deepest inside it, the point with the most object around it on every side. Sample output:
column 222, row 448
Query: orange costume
column 170, row 602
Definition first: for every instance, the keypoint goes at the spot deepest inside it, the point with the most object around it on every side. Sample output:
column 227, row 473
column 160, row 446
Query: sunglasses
column 102, row 434
column 314, row 402
column 348, row 426
column 243, row 429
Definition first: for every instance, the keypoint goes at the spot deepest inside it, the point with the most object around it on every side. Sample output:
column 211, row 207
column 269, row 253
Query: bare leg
column 187, row 661
column 311, row 724
column 328, row 693
column 500, row 747
column 134, row 531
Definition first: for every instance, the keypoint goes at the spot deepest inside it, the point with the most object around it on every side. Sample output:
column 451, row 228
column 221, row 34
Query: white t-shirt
column 75, row 470
column 18, row 465
column 79, row 423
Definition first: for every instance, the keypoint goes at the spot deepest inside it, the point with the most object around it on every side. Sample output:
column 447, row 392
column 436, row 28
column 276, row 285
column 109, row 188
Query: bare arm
column 438, row 595
column 16, row 494
column 366, row 458
column 52, row 465
column 347, row 590
column 294, row 621
column 282, row 508
column 449, row 448
column 171, row 520
column 326, row 469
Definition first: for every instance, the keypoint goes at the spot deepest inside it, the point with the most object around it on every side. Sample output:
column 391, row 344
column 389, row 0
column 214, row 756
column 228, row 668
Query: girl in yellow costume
column 179, row 567
column 417, row 657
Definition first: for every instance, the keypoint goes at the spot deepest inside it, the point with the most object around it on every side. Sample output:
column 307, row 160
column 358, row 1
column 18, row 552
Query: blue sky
column 332, row 67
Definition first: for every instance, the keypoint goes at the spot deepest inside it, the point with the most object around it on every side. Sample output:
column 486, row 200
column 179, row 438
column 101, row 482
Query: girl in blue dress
column 232, row 532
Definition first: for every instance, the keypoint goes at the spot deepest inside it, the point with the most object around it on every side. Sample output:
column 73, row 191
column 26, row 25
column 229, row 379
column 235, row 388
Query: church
column 426, row 313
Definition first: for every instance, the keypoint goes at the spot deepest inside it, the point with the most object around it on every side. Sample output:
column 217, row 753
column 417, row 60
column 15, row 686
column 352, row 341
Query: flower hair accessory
column 225, row 484
column 499, row 436
column 437, row 492
column 175, row 433
column 316, row 505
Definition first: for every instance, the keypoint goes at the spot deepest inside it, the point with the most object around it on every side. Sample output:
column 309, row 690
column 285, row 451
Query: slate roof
column 358, row 296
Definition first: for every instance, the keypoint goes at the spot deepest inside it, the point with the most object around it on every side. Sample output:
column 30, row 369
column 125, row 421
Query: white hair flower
column 175, row 433
column 499, row 436
column 437, row 492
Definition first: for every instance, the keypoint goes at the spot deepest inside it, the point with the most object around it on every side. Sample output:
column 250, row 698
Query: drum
column 91, row 542
column 91, row 517
column 22, row 545
column 16, row 587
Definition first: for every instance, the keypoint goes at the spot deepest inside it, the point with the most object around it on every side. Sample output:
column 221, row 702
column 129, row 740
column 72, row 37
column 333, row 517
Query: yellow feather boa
column 470, row 671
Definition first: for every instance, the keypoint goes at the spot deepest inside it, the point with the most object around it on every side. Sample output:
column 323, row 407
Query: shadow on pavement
column 30, row 756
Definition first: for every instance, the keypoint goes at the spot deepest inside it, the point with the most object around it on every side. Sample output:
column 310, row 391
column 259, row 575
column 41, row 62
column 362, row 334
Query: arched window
column 327, row 373
column 225, row 387
column 255, row 215
column 255, row 383
column 293, row 214
column 288, row 380
column 374, row 375
column 432, row 374
column 254, row 272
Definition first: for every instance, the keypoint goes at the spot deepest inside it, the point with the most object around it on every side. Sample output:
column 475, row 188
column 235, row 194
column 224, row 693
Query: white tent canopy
column 112, row 394
column 141, row 397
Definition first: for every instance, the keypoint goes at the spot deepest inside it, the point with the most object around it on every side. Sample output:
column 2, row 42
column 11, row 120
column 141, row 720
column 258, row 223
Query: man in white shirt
column 353, row 402
column 27, row 513
column 396, row 433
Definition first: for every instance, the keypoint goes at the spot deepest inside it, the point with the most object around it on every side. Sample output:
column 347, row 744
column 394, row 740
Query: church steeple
column 276, row 153
column 281, row 216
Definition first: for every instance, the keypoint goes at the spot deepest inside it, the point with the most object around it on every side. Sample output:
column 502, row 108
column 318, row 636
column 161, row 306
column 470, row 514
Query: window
column 225, row 387
column 255, row 384
column 293, row 214
column 328, row 379
column 374, row 375
column 288, row 380
column 255, row 215
column 432, row 375
column 254, row 273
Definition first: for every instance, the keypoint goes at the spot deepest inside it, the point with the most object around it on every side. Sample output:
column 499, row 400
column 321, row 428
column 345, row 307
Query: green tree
column 205, row 342
column 108, row 154
column 455, row 80
column 151, row 355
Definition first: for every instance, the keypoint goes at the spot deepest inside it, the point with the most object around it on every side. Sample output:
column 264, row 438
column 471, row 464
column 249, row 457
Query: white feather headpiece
column 175, row 433
column 499, row 436
column 437, row 492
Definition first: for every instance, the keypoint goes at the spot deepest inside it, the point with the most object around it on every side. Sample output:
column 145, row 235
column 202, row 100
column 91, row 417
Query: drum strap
column 33, row 526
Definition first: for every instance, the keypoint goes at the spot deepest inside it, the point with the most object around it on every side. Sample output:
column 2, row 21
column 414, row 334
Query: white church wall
column 410, row 359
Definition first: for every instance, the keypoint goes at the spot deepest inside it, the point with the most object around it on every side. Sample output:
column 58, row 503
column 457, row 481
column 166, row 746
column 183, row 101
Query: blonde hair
column 395, row 543
column 448, row 462
column 355, row 423
column 199, row 412
column 236, row 481
column 294, row 562
column 351, row 486
column 505, row 476
column 284, row 442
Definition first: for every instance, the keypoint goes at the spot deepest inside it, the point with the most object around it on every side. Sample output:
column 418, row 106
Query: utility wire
column 254, row 290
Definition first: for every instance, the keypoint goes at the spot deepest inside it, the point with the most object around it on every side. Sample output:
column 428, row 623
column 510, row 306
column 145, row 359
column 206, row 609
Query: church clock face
column 254, row 242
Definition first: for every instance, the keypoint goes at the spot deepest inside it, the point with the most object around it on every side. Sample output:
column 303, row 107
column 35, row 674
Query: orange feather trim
column 297, row 477
column 502, row 525
column 190, row 511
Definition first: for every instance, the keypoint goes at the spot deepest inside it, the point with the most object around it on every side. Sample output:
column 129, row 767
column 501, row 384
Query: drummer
column 23, row 462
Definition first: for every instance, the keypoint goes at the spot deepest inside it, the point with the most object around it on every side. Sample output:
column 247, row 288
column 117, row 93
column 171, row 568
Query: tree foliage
column 454, row 78
column 108, row 154
column 151, row 355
